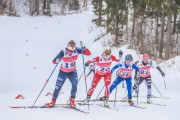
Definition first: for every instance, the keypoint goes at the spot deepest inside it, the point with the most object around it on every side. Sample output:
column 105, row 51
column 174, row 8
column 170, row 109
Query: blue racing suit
column 124, row 73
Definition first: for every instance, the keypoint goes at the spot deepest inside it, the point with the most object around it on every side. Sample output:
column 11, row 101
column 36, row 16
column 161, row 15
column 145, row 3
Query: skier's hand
column 120, row 53
column 136, row 62
column 82, row 45
column 163, row 74
column 86, row 64
column 140, row 71
column 56, row 61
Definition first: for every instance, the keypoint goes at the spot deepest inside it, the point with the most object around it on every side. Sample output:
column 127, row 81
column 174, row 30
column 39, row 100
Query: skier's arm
column 85, row 51
column 92, row 61
column 114, row 58
column 136, row 72
column 96, row 59
column 57, row 59
column 135, row 67
column 115, row 67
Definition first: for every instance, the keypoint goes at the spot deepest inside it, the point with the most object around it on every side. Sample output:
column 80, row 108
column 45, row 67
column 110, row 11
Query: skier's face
column 128, row 62
column 69, row 52
column 106, row 57
column 145, row 60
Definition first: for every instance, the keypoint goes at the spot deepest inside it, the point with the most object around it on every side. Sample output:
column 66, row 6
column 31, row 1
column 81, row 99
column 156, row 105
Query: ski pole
column 44, row 85
column 115, row 97
column 164, row 83
column 138, row 92
column 120, row 55
column 157, row 89
column 89, row 73
column 84, row 72
column 98, row 94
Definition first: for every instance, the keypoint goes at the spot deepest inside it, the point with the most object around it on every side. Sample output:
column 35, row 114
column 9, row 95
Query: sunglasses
column 146, row 59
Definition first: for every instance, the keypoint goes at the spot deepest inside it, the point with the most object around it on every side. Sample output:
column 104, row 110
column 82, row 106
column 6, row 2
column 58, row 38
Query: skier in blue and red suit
column 125, row 73
column 68, row 58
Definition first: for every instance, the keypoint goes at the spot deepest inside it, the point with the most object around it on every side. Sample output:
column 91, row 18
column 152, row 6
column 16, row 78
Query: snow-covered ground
column 27, row 47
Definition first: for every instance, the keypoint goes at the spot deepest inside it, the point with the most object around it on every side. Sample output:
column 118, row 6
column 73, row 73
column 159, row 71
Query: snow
column 27, row 47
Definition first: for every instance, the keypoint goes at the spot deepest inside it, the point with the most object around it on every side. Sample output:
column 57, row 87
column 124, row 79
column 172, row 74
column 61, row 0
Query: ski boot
column 102, row 98
column 86, row 101
column 50, row 104
column 149, row 100
column 106, row 102
column 72, row 103
column 125, row 99
column 130, row 102
column 152, row 96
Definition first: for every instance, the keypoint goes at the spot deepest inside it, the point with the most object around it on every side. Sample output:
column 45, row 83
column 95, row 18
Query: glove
column 82, row 45
column 140, row 71
column 136, row 62
column 86, row 64
column 56, row 61
column 120, row 53
column 163, row 74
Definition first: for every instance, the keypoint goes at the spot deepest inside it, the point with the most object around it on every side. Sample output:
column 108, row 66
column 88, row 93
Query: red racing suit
column 102, row 71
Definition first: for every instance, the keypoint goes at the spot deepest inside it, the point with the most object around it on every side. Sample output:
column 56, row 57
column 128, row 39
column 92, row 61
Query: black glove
column 120, row 53
column 86, row 64
column 136, row 62
column 163, row 74
column 82, row 45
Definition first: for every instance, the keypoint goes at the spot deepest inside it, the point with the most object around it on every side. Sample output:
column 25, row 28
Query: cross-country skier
column 145, row 74
column 124, row 73
column 121, row 60
column 91, row 69
column 68, row 58
column 103, row 64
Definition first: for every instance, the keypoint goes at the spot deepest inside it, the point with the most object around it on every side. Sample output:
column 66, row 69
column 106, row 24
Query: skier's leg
column 59, row 83
column 129, row 86
column 136, row 84
column 94, row 71
column 117, row 81
column 148, row 82
column 73, row 79
column 107, row 82
column 94, row 83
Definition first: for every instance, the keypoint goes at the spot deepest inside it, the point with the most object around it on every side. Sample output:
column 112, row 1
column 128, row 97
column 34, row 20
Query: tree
column 46, row 7
column 169, row 27
column 1, row 7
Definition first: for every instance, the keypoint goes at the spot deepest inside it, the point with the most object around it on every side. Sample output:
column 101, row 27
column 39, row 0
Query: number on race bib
column 104, row 69
column 124, row 74
column 69, row 65
column 145, row 72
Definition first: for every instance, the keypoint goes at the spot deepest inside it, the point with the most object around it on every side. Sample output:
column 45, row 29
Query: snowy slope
column 27, row 47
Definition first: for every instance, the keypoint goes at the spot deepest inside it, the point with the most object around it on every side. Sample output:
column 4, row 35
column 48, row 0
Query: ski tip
column 16, row 106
